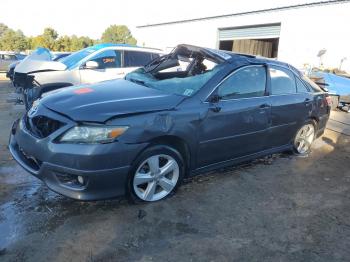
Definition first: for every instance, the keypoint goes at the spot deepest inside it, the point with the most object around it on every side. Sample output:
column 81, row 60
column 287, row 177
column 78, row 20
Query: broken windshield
column 183, row 72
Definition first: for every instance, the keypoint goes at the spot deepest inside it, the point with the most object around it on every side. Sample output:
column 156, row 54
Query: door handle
column 121, row 73
column 307, row 101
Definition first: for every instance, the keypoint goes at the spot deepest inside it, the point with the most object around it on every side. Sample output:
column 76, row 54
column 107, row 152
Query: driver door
column 109, row 68
column 236, row 124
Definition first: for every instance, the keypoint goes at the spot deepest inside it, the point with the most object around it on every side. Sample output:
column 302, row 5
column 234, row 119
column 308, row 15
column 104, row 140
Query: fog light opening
column 81, row 180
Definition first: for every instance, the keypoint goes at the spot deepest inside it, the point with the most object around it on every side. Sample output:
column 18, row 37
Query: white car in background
column 38, row 74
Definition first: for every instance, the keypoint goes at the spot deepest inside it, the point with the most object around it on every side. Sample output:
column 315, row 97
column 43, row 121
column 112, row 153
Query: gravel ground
column 281, row 208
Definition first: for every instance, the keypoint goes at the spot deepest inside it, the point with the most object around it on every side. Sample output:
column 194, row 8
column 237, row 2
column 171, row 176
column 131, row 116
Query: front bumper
column 103, row 167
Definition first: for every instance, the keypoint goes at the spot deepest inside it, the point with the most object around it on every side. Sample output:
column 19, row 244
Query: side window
column 246, row 82
column 108, row 59
column 136, row 58
column 9, row 57
column 282, row 81
column 154, row 56
column 301, row 88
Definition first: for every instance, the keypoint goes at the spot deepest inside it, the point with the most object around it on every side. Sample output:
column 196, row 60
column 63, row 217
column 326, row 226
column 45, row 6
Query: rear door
column 291, row 105
column 109, row 67
column 236, row 125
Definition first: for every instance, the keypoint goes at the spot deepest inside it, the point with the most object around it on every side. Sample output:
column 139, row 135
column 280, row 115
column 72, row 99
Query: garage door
column 256, row 32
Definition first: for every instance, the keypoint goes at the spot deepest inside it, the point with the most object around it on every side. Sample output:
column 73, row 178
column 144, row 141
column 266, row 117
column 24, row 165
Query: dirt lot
column 283, row 208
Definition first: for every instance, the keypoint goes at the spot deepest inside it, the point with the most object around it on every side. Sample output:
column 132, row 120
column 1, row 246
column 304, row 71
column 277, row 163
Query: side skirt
column 239, row 160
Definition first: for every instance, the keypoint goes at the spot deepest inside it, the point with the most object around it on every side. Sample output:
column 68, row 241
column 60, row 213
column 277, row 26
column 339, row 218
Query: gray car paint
column 215, row 133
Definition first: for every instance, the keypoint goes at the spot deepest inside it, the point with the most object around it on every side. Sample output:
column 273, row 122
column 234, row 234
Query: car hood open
column 40, row 60
column 105, row 100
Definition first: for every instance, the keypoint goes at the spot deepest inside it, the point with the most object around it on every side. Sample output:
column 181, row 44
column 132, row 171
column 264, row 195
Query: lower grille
column 42, row 126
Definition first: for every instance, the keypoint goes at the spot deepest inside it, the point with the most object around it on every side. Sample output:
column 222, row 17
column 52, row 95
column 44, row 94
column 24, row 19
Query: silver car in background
column 7, row 58
column 90, row 65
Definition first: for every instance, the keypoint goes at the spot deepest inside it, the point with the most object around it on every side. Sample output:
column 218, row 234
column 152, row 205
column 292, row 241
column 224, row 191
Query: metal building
column 293, row 33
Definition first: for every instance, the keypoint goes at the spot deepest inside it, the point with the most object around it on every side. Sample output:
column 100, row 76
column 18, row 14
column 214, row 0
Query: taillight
column 328, row 100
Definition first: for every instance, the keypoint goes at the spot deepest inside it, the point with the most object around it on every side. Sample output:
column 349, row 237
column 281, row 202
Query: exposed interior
column 184, row 71
column 263, row 47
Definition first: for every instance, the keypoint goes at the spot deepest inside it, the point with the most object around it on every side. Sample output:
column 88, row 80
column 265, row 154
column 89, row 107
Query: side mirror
column 91, row 65
column 214, row 99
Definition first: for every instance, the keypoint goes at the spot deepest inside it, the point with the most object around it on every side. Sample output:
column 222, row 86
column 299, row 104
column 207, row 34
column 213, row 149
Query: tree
column 78, row 43
column 63, row 43
column 118, row 34
column 3, row 28
column 47, row 39
column 12, row 40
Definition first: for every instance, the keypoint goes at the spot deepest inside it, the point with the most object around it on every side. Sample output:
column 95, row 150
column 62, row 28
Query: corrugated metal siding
column 250, row 32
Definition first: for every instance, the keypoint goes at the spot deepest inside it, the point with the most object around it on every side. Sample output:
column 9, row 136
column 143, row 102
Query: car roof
column 123, row 46
column 232, row 57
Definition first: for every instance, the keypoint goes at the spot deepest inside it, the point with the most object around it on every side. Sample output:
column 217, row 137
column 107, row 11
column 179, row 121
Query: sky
column 91, row 18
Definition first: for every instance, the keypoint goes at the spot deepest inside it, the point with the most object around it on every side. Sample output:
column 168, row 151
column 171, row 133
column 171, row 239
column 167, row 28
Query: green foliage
column 11, row 40
column 17, row 41
column 118, row 34
column 3, row 28
column 78, row 43
column 47, row 39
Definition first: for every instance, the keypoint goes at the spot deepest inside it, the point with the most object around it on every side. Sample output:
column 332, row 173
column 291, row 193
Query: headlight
column 93, row 134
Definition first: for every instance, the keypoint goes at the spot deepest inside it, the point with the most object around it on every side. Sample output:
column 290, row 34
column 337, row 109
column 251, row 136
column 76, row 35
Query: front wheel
column 157, row 173
column 304, row 138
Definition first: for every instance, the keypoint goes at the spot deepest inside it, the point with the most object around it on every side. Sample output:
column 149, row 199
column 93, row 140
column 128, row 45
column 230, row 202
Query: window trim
column 236, row 70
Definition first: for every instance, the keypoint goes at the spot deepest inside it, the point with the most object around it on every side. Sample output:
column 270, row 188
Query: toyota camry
column 191, row 111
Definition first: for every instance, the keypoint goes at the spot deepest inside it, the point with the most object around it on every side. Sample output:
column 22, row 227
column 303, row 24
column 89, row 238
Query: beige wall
column 304, row 32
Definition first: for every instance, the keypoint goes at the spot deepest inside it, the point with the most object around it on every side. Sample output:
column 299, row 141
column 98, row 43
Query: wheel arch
column 177, row 143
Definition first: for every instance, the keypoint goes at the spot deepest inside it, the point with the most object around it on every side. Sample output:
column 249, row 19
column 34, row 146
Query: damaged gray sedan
column 188, row 112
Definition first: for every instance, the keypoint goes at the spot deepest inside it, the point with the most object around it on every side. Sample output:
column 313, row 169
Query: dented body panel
column 212, row 132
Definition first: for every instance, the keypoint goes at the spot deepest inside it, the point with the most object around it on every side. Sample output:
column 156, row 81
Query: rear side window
column 282, row 81
column 137, row 58
column 301, row 88
column 108, row 59
column 9, row 57
column 312, row 85
column 244, row 83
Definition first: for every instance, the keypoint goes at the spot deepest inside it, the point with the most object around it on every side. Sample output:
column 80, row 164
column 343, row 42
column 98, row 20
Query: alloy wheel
column 304, row 139
column 156, row 177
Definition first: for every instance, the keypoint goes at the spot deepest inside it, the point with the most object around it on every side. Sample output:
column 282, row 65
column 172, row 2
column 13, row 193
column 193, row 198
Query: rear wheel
column 157, row 173
column 304, row 138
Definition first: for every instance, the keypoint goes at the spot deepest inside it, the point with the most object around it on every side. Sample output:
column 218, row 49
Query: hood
column 39, row 60
column 102, row 101
column 32, row 66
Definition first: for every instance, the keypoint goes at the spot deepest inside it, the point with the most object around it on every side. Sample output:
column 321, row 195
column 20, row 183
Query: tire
column 155, row 174
column 304, row 138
